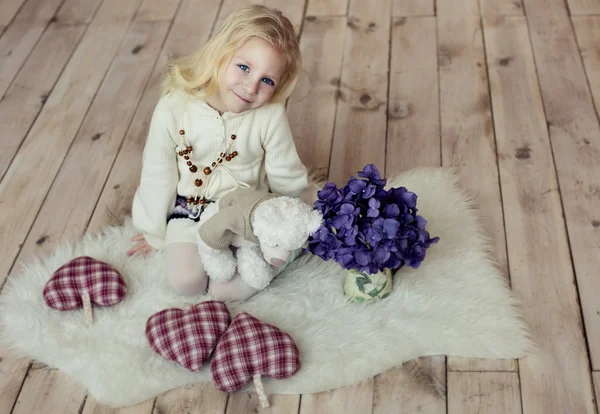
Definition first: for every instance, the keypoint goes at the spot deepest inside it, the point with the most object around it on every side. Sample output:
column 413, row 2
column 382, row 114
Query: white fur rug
column 455, row 304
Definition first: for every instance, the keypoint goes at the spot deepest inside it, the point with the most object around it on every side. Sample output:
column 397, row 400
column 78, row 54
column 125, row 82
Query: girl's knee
column 189, row 284
column 185, row 270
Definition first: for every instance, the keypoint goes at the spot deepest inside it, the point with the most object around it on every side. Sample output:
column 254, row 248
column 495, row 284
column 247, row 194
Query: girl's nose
column 251, row 87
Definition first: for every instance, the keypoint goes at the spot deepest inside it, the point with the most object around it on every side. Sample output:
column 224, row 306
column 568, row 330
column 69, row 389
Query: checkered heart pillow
column 249, row 349
column 84, row 276
column 188, row 337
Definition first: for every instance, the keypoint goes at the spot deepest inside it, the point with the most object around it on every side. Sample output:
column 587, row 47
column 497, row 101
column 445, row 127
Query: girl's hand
column 141, row 246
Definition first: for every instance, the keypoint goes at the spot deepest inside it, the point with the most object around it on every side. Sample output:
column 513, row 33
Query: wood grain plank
column 22, row 36
column 587, row 29
column 484, row 393
column 360, row 129
column 402, row 8
column 155, row 10
column 311, row 108
column 399, row 391
column 55, row 128
column 8, row 10
column 292, row 9
column 575, row 138
column 596, row 376
column 76, row 12
column 467, row 131
column 47, row 390
column 491, row 8
column 27, row 95
column 557, row 377
column 413, row 134
column 243, row 403
column 15, row 46
column 327, row 8
column 37, row 11
column 583, row 7
column 93, row 407
column 12, row 371
column 357, row 399
column 201, row 398
column 189, row 31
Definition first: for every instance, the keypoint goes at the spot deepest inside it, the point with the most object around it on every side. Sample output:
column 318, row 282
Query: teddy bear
column 264, row 229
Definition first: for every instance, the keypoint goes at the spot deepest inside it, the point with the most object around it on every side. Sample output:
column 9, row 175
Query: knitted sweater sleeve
column 155, row 196
column 285, row 172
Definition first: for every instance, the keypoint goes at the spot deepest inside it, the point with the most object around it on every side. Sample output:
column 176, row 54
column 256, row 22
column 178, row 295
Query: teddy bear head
column 282, row 225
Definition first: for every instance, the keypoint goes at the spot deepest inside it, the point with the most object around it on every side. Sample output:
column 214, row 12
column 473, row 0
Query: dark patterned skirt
column 181, row 210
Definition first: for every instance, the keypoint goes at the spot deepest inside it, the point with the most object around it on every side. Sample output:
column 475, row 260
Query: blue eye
column 243, row 67
column 268, row 81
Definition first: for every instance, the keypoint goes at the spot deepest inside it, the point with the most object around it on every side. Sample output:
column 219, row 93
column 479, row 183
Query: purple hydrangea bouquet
column 371, row 231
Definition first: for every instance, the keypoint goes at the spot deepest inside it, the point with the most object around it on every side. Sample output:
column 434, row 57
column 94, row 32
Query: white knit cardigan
column 266, row 158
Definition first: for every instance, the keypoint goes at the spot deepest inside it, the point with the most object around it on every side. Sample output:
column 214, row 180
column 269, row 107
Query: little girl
column 219, row 125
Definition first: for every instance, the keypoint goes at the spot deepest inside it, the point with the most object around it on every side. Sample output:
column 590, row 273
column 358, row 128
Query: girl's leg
column 234, row 289
column 185, row 270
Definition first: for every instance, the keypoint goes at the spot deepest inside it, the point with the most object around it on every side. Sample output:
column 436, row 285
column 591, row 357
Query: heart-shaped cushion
column 251, row 347
column 84, row 274
column 188, row 337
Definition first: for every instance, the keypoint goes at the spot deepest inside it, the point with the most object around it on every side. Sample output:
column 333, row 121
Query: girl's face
column 250, row 78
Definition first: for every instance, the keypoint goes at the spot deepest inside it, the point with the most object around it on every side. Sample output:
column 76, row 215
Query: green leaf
column 361, row 281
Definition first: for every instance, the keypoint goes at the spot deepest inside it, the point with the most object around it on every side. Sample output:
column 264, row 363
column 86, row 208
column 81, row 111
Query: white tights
column 187, row 276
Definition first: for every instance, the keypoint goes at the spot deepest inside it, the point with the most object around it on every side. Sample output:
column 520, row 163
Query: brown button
column 180, row 153
column 185, row 152
column 214, row 164
column 186, row 157
column 189, row 199
column 181, row 132
column 198, row 182
column 220, row 160
column 189, row 163
column 207, row 170
column 202, row 201
column 233, row 136
column 235, row 153
column 193, row 168
column 228, row 158
column 189, row 148
column 221, row 155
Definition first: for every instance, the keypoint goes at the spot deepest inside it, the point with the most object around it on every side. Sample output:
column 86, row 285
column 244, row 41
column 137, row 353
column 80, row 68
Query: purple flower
column 355, row 186
column 368, row 228
column 371, row 173
column 374, row 205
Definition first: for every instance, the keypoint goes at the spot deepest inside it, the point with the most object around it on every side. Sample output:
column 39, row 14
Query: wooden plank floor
column 505, row 91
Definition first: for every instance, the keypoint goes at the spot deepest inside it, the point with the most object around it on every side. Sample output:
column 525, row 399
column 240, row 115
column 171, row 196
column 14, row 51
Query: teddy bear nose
column 277, row 262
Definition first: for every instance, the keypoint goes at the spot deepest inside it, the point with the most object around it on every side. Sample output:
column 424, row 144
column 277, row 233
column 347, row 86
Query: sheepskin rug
column 456, row 303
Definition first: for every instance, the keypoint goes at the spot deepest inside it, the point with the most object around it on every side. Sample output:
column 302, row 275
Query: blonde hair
column 198, row 74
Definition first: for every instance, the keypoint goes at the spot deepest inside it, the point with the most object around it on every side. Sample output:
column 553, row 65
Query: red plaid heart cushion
column 252, row 347
column 101, row 281
column 188, row 336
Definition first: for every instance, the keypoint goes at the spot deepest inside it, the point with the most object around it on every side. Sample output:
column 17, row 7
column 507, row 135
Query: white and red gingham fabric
column 252, row 347
column 188, row 337
column 84, row 274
